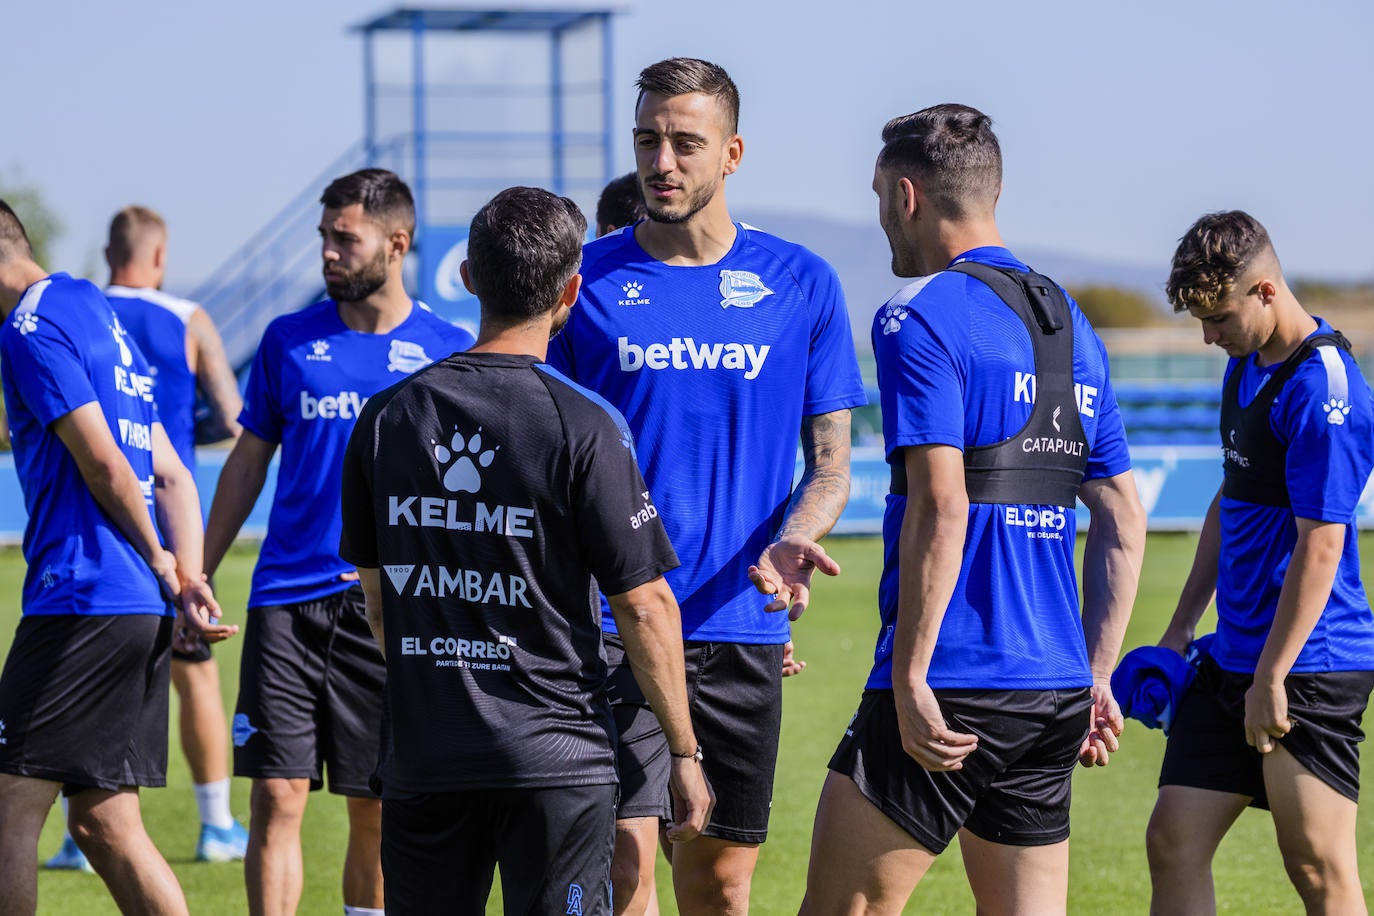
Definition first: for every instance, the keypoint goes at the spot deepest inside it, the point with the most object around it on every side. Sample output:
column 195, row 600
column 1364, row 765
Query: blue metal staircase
column 514, row 132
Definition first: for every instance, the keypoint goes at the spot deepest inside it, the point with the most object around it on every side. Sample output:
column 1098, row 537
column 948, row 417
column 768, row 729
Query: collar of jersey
column 995, row 255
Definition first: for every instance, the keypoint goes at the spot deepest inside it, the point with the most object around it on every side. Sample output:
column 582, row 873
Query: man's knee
column 1169, row 843
column 278, row 802
column 715, row 876
column 1317, row 877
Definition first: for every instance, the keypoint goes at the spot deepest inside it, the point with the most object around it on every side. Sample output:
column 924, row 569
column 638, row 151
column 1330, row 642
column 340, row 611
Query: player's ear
column 570, row 291
column 909, row 197
column 400, row 242
column 467, row 277
column 1267, row 290
column 734, row 152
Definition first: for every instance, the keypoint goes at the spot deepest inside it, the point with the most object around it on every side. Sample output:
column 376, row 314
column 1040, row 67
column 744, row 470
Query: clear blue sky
column 1120, row 123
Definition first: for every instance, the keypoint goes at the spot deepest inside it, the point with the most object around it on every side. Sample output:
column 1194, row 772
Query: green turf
column 1108, row 872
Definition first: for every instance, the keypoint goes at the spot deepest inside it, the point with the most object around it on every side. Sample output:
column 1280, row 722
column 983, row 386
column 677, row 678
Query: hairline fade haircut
column 130, row 231
column 1212, row 256
column 14, row 241
column 384, row 197
column 524, row 245
column 621, row 203
column 951, row 150
column 681, row 75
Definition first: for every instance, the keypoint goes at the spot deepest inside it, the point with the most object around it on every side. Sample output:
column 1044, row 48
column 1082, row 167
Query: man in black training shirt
column 480, row 497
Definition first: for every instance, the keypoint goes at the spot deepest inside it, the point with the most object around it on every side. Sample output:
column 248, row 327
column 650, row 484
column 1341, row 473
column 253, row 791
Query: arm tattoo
column 821, row 495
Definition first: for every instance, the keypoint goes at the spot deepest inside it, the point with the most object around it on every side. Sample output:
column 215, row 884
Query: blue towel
column 1150, row 681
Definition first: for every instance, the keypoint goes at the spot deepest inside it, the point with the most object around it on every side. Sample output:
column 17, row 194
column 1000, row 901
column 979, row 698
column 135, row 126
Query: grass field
column 1111, row 805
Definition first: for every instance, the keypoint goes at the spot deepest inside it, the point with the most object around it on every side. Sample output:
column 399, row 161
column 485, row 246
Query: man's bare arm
column 930, row 555
column 115, row 486
column 1112, row 557
column 214, row 378
column 1200, row 586
column 786, row 566
column 371, row 581
column 178, row 514
column 240, row 483
column 650, row 624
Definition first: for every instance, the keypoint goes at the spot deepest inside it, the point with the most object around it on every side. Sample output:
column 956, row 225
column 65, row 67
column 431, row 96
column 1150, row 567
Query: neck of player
column 1292, row 325
column 16, row 276
column 380, row 313
column 947, row 239
column 702, row 239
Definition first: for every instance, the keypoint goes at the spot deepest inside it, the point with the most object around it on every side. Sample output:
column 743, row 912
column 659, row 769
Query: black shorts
column 83, row 701
column 310, row 695
column 734, row 691
column 201, row 653
column 1014, row 789
column 553, row 846
column 1207, row 750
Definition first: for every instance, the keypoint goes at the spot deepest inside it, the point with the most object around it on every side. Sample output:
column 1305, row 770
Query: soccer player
column 621, row 204
column 310, row 687
column 720, row 344
column 997, row 413
column 1272, row 718
column 83, row 694
column 184, row 350
column 491, row 490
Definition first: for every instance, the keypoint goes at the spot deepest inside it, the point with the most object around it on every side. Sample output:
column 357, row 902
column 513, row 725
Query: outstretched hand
column 198, row 617
column 784, row 571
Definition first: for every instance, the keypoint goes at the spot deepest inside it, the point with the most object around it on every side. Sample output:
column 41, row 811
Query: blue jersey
column 1324, row 417
column 310, row 377
column 157, row 322
column 63, row 348
column 714, row 368
column 955, row 367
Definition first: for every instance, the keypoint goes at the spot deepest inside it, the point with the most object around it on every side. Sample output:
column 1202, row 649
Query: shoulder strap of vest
column 1039, row 291
column 1290, row 365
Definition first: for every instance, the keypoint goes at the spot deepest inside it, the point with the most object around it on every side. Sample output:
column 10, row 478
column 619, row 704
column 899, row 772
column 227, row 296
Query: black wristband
column 696, row 755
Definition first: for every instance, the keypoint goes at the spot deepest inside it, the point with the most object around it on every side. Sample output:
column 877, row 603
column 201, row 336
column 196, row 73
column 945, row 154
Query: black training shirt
column 490, row 490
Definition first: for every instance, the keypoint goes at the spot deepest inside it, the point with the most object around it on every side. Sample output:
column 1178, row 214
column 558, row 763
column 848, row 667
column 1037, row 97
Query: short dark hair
column 681, row 75
column 952, row 151
column 382, row 193
column 524, row 245
column 621, row 203
column 129, row 232
column 14, row 241
column 1212, row 255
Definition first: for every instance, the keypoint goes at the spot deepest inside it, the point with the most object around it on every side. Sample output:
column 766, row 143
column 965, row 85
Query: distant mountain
column 860, row 255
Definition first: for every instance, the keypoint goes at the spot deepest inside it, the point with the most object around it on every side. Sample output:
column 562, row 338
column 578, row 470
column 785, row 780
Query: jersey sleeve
column 1326, row 418
column 46, row 367
column 622, row 539
column 262, row 413
column 920, row 374
column 1110, row 455
column 358, row 536
column 833, row 381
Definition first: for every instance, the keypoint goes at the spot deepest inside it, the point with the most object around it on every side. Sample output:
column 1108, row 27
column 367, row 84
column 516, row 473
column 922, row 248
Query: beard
column 361, row 283
column 679, row 213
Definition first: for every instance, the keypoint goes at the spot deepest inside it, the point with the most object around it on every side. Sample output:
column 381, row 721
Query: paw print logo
column 633, row 289
column 321, row 347
column 466, row 454
column 126, row 355
column 26, row 323
column 1336, row 411
column 893, row 316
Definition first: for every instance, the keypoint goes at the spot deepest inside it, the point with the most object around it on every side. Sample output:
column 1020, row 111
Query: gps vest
column 1043, row 463
column 1255, row 460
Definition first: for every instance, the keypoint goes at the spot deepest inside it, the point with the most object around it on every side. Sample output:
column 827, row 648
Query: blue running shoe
column 222, row 844
column 70, row 858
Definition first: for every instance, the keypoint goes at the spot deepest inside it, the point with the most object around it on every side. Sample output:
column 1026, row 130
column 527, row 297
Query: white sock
column 213, row 800
column 362, row 911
